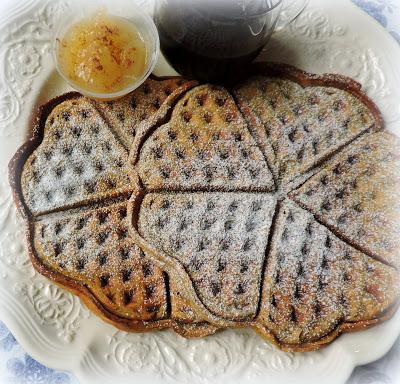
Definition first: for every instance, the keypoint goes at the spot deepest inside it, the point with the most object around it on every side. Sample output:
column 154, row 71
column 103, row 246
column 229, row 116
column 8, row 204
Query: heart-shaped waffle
column 274, row 206
column 71, row 184
column 239, row 200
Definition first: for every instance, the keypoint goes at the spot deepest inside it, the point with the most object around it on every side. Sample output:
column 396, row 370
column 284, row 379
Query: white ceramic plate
column 56, row 329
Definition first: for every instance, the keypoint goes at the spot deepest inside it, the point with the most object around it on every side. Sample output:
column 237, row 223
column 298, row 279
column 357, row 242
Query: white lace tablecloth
column 17, row 367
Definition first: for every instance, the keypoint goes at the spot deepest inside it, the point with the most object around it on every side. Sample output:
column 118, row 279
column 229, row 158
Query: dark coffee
column 213, row 42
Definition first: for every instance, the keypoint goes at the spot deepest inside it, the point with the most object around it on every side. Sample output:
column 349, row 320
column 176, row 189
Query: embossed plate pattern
column 52, row 325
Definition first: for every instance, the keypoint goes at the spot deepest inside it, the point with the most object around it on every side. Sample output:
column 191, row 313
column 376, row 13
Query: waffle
column 77, row 145
column 301, row 120
column 256, row 249
column 204, row 230
column 315, row 284
column 71, row 184
column 198, row 147
column 201, row 208
column 92, row 246
column 356, row 196
column 143, row 104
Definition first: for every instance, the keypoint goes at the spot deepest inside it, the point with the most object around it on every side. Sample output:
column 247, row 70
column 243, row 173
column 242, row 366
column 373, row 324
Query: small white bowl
column 80, row 10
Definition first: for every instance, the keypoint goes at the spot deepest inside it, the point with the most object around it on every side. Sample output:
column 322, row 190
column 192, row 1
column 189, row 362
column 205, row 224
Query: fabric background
column 17, row 367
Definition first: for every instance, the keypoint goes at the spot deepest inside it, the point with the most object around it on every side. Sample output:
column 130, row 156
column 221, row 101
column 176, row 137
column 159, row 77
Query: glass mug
column 215, row 40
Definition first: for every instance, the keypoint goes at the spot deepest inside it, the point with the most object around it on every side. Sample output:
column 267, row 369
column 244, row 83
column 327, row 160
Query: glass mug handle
column 282, row 13
column 290, row 10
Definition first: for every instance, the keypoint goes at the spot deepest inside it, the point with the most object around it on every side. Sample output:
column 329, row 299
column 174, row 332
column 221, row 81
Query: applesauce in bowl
column 104, row 55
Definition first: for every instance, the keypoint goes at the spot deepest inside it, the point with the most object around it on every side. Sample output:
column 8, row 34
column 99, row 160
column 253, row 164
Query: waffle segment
column 220, row 239
column 357, row 195
column 206, row 144
column 302, row 124
column 77, row 145
column 93, row 247
column 315, row 282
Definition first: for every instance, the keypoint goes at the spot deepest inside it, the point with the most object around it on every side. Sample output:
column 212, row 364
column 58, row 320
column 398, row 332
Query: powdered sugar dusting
column 315, row 281
column 206, row 144
column 303, row 125
column 126, row 114
column 358, row 195
column 78, row 159
column 220, row 238
column 94, row 247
